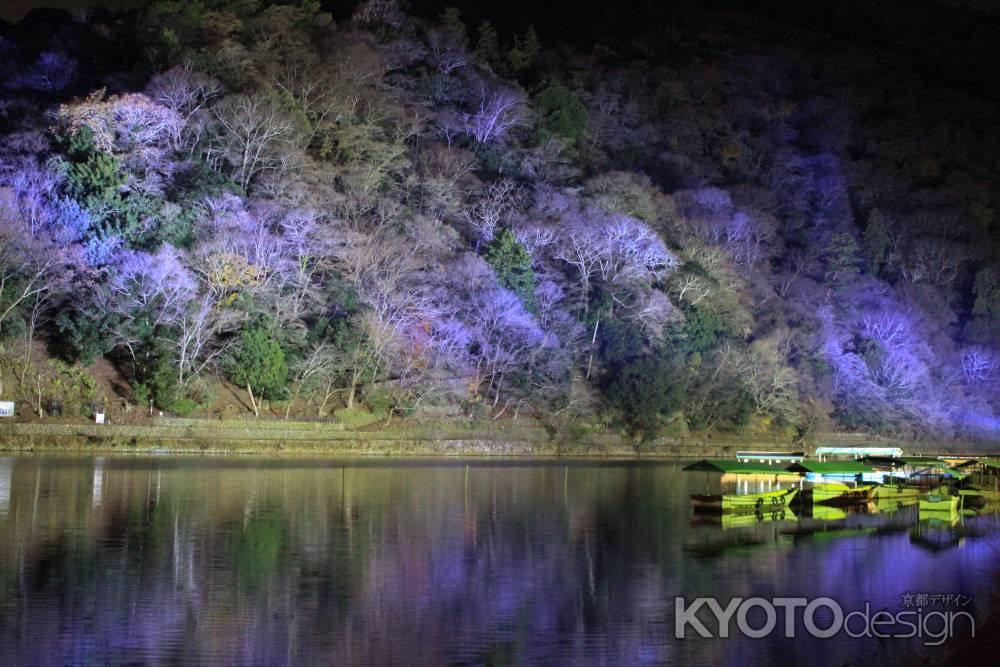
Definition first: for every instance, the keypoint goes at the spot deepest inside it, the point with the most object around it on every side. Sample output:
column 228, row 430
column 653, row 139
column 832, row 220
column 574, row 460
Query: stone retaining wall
column 438, row 438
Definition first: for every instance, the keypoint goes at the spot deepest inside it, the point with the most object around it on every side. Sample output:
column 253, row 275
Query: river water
column 189, row 561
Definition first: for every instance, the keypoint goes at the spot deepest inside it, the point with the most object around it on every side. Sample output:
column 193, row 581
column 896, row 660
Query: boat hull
column 752, row 502
column 840, row 494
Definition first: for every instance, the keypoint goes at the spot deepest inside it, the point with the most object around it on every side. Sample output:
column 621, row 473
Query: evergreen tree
column 259, row 365
column 512, row 264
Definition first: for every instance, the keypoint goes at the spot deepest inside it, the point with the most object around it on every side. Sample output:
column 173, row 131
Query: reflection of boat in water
column 901, row 491
column 728, row 520
column 826, row 533
column 967, row 503
column 936, row 503
column 888, row 506
column 825, row 513
column 767, row 501
column 936, row 531
column 972, row 499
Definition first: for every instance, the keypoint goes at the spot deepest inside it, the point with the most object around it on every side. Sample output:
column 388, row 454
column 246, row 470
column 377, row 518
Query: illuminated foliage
column 562, row 112
column 512, row 264
column 477, row 228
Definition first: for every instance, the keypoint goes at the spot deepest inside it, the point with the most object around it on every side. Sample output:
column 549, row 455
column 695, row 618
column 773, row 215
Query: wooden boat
column 768, row 501
column 835, row 482
column 836, row 493
column 753, row 497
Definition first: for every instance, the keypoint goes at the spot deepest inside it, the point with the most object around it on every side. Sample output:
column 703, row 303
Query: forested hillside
column 719, row 229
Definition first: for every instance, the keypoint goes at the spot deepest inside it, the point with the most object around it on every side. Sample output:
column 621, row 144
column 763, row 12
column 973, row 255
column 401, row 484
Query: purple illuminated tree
column 499, row 109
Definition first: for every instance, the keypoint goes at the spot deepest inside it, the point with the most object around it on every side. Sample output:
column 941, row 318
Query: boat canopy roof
column 830, row 467
column 898, row 461
column 769, row 456
column 990, row 463
column 859, row 451
column 735, row 467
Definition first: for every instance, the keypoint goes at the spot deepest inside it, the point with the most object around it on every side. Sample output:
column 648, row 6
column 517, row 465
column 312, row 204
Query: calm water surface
column 184, row 561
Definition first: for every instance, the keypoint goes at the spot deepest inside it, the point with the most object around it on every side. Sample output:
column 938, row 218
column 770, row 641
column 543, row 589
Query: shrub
column 379, row 402
column 645, row 390
column 512, row 264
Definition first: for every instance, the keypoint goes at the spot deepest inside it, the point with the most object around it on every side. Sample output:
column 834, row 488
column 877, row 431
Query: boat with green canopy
column 838, row 468
column 916, row 470
column 750, row 486
column 736, row 467
column 849, row 491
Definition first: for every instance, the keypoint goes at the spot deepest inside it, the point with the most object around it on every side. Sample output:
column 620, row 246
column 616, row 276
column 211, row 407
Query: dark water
column 316, row 562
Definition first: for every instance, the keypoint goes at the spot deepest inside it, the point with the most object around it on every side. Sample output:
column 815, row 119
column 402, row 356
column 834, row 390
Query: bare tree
column 979, row 364
column 27, row 269
column 500, row 109
column 255, row 128
column 186, row 93
column 448, row 53
column 324, row 101
column 497, row 200
column 889, row 329
column 152, row 289
column 317, row 362
column 197, row 344
column 934, row 261
column 691, row 289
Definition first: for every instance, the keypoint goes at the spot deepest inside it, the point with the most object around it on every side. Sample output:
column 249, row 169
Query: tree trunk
column 291, row 401
column 29, row 335
column 350, row 394
column 326, row 398
column 593, row 341
column 253, row 402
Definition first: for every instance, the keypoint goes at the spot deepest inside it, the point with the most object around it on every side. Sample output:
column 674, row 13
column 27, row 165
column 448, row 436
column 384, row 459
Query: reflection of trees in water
column 408, row 564
column 195, row 563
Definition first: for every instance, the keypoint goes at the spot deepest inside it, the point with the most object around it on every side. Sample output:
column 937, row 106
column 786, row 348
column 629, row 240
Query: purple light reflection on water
column 302, row 562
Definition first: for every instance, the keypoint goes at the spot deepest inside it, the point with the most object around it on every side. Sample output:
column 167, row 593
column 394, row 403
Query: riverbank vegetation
column 235, row 205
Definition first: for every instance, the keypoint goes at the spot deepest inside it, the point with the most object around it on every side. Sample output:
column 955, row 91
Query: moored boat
column 743, row 486
column 836, row 493
column 767, row 501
